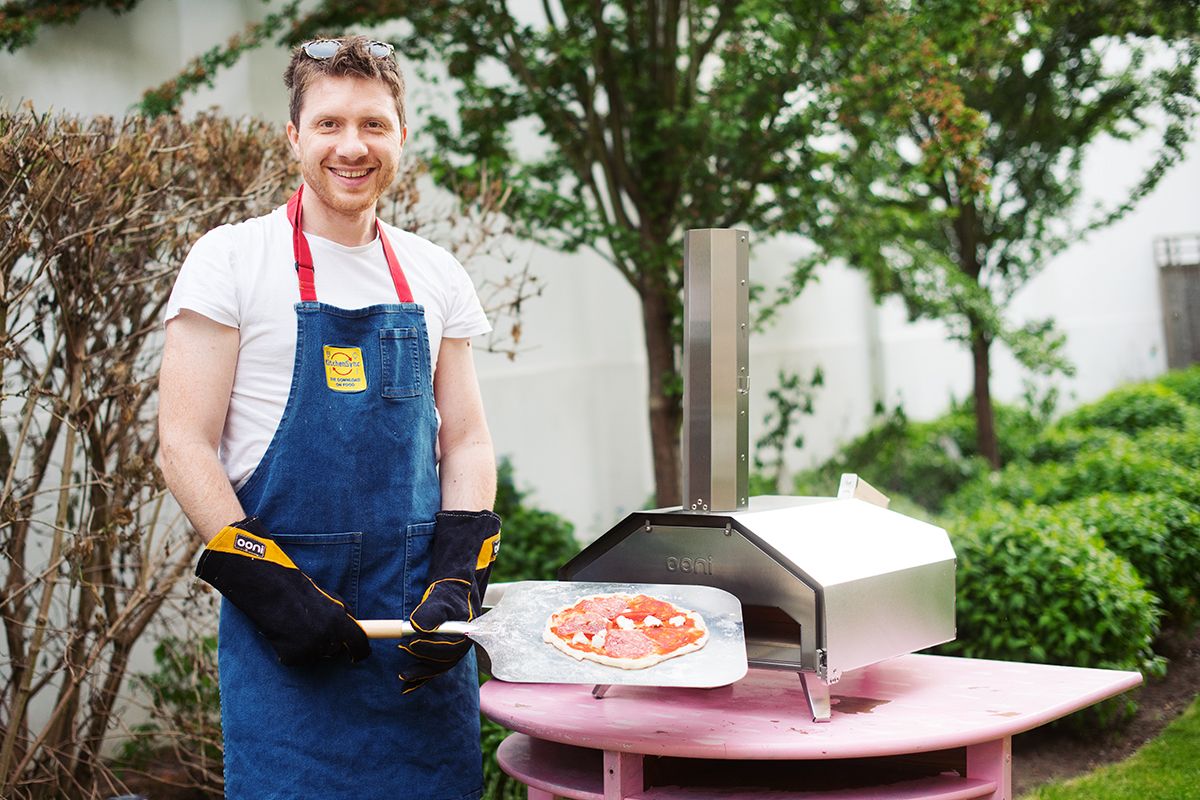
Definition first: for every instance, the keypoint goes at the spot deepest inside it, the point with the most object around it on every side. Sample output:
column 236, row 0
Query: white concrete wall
column 570, row 411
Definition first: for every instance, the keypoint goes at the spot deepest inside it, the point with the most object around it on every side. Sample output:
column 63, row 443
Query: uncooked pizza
column 625, row 631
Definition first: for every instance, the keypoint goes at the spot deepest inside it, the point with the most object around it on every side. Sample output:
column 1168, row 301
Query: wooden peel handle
column 399, row 628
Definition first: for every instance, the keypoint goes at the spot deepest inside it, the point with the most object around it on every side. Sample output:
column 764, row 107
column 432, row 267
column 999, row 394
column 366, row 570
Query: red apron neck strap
column 398, row 280
column 303, row 255
column 304, row 261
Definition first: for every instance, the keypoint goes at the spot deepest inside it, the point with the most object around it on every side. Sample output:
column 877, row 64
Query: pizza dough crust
column 642, row 662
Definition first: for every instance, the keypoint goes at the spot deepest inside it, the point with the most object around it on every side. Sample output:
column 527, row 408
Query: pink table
column 916, row 727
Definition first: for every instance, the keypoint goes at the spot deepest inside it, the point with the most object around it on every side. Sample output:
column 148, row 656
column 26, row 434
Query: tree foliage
column 654, row 117
column 21, row 19
column 938, row 146
column 202, row 70
column 1023, row 90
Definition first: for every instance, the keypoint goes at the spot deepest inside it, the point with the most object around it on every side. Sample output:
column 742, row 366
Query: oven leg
column 816, row 691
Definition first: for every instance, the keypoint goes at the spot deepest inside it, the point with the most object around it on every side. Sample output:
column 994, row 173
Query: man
column 322, row 429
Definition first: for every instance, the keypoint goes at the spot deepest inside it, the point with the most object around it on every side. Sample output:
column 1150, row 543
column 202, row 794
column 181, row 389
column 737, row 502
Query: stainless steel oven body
column 827, row 584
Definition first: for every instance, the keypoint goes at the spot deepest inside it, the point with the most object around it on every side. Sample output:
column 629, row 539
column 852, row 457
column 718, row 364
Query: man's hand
column 465, row 545
column 304, row 623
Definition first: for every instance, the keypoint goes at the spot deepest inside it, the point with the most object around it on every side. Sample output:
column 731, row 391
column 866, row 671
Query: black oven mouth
column 770, row 625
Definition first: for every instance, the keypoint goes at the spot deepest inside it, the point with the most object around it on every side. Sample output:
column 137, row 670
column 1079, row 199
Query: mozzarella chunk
column 598, row 639
column 653, row 621
column 579, row 638
column 625, row 623
column 676, row 620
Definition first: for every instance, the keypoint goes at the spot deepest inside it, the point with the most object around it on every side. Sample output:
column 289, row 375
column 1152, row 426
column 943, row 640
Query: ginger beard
column 348, row 144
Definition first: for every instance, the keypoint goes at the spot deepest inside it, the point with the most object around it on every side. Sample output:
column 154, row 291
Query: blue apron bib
column 348, row 487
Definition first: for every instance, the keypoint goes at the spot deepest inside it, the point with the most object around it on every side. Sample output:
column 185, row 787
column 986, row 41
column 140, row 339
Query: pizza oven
column 827, row 584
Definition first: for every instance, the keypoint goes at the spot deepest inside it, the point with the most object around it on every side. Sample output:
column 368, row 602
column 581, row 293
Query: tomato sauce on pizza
column 625, row 631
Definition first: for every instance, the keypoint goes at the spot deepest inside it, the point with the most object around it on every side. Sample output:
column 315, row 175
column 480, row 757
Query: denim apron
column 348, row 487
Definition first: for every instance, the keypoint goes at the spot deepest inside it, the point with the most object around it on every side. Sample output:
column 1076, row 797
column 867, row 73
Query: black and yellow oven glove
column 465, row 544
column 304, row 623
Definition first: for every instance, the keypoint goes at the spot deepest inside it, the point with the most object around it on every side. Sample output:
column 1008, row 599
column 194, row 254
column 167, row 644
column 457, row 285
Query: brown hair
column 352, row 59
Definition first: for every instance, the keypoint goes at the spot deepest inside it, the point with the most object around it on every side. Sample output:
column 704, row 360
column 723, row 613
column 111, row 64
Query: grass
column 1167, row 768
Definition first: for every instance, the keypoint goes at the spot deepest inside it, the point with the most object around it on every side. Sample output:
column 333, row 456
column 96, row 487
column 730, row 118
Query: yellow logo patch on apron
column 344, row 369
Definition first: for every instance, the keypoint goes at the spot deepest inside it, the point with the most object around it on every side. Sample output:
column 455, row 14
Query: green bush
column 1034, row 585
column 496, row 783
column 1179, row 447
column 1184, row 382
column 1125, row 468
column 184, row 725
column 533, row 543
column 927, row 461
column 761, row 483
column 1057, row 443
column 1158, row 534
column 1133, row 408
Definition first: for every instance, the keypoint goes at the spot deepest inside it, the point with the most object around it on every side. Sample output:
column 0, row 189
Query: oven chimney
column 716, row 369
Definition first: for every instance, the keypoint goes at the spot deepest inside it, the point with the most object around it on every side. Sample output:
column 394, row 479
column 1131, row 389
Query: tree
column 655, row 116
column 1020, row 90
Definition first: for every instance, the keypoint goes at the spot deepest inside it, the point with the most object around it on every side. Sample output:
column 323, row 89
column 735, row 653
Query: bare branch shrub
column 470, row 220
column 96, row 216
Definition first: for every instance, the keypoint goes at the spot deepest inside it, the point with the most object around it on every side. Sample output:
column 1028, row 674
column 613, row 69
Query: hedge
column 1125, row 468
column 1134, row 408
column 1184, row 382
column 1181, row 448
column 1058, row 443
column 1158, row 534
column 1035, row 585
column 925, row 461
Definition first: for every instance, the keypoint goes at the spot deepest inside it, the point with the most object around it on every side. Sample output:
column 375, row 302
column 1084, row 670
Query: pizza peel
column 511, row 634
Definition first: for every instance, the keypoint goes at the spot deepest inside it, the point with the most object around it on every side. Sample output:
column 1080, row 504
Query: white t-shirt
column 244, row 276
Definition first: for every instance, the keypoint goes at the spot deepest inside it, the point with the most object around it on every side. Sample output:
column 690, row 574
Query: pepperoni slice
column 668, row 639
column 608, row 607
column 587, row 622
column 643, row 606
column 627, row 644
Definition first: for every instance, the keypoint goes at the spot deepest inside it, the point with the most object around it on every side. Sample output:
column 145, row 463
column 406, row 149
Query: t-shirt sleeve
column 464, row 312
column 205, row 283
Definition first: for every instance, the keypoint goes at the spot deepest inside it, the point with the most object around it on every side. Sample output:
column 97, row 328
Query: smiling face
column 348, row 141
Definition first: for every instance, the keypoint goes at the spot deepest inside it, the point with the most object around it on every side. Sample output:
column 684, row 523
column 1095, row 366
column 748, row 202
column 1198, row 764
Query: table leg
column 992, row 761
column 622, row 774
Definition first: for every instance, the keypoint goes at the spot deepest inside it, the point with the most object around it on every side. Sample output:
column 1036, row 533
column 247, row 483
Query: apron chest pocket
column 400, row 349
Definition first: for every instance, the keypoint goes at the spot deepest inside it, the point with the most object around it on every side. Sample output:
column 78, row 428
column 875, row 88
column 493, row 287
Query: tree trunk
column 971, row 260
column 665, row 403
column 985, row 418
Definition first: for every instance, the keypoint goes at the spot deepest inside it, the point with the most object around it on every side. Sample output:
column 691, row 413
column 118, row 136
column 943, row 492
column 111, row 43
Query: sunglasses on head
column 321, row 49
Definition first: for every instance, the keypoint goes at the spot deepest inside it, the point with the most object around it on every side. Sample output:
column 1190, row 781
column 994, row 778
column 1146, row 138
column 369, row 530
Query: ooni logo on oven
column 699, row 565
